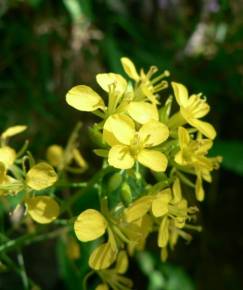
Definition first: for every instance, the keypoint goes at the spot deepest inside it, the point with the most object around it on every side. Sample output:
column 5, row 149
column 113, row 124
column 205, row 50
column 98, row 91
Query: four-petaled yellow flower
column 192, row 154
column 112, row 278
column 129, row 145
column 91, row 225
column 192, row 109
column 146, row 87
column 167, row 205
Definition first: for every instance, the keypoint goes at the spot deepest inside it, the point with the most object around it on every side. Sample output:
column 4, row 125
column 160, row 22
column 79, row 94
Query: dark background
column 46, row 47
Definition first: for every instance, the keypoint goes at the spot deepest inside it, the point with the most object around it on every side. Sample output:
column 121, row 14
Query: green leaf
column 232, row 153
column 73, row 271
column 163, row 276
column 176, row 278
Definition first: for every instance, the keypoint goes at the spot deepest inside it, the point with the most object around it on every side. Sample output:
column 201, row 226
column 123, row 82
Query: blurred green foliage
column 49, row 46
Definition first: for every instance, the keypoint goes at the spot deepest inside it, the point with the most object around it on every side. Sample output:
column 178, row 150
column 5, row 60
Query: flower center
column 136, row 145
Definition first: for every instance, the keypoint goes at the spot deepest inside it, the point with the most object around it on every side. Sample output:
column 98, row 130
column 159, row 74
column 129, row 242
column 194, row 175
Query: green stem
column 13, row 266
column 23, row 274
column 99, row 114
column 31, row 238
column 71, row 185
column 85, row 281
column 176, row 120
column 92, row 182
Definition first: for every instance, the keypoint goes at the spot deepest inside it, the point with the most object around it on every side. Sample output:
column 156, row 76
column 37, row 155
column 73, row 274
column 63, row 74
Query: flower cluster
column 143, row 136
column 19, row 173
column 34, row 182
column 154, row 146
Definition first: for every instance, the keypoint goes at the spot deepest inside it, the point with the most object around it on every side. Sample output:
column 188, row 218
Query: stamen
column 161, row 86
column 165, row 74
column 152, row 70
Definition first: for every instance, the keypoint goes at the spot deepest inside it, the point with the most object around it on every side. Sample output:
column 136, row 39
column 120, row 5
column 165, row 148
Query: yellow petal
column 196, row 106
column 161, row 202
column 163, row 235
column 179, row 158
column 41, row 176
column 13, row 186
column 199, row 189
column 145, row 225
column 11, row 131
column 7, row 156
column 55, row 155
column 184, row 137
column 112, row 240
column 90, row 225
column 129, row 68
column 102, row 287
column 105, row 80
column 122, row 127
column 102, row 257
column 108, row 135
column 138, row 208
column 177, row 190
column 143, row 112
column 153, row 159
column 159, row 208
column 204, row 127
column 120, row 157
column 205, row 145
column 122, row 262
column 83, row 98
column 181, row 93
column 153, row 133
column 43, row 209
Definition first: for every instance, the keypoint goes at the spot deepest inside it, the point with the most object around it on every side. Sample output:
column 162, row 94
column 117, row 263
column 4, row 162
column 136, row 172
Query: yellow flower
column 192, row 109
column 83, row 98
column 8, row 155
column 42, row 209
column 166, row 205
column 102, row 257
column 192, row 154
column 113, row 278
column 146, row 87
column 122, row 98
column 169, row 207
column 8, row 184
column 129, row 145
column 107, row 80
column 91, row 225
column 145, row 224
column 41, row 176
